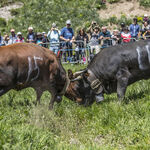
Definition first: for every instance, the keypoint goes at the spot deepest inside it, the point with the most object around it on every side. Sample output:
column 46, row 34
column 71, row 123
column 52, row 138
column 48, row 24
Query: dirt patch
column 5, row 11
column 129, row 8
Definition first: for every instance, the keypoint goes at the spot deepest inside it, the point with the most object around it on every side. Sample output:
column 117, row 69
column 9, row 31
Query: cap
column 39, row 33
column 104, row 27
column 12, row 30
column 97, row 27
column 145, row 15
column 19, row 33
column 54, row 25
column 43, row 32
column 30, row 28
column 94, row 22
column 68, row 22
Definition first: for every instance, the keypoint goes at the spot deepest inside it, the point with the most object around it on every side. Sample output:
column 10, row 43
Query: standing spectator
column 53, row 37
column 67, row 35
column 146, row 19
column 122, row 26
column 20, row 39
column 1, row 40
column 105, row 37
column 6, row 40
column 12, row 37
column 45, row 40
column 31, row 35
column 39, row 38
column 80, row 39
column 134, row 29
column 145, row 31
column 125, row 35
column 90, row 30
column 94, row 42
column 116, row 37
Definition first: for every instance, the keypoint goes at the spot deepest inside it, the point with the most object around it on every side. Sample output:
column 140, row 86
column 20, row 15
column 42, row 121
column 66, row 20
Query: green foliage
column 41, row 14
column 3, row 22
column 113, row 1
column 145, row 3
column 14, row 12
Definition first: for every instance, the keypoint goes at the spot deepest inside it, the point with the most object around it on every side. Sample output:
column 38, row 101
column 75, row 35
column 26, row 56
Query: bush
column 3, row 22
column 145, row 3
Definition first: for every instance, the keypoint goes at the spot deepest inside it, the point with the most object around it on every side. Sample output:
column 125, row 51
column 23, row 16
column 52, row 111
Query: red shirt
column 126, row 37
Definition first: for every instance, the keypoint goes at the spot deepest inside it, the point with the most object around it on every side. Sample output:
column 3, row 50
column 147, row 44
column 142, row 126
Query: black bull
column 111, row 70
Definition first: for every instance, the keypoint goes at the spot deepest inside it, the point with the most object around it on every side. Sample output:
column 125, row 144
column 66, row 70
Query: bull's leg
column 122, row 82
column 53, row 98
column 121, row 87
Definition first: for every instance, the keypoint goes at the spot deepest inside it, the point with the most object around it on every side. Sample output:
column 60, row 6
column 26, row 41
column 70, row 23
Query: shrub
column 3, row 22
column 145, row 3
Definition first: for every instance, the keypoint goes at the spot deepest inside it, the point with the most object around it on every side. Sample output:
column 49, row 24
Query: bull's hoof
column 99, row 98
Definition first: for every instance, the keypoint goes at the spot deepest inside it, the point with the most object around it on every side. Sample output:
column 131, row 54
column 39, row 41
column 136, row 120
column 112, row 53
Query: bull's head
column 79, row 89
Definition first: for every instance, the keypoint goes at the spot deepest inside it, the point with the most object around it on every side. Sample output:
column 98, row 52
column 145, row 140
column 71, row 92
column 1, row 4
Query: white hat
column 145, row 15
column 30, row 28
column 54, row 25
column 19, row 33
column 68, row 22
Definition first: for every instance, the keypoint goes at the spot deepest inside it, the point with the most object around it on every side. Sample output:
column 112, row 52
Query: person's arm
column 62, row 36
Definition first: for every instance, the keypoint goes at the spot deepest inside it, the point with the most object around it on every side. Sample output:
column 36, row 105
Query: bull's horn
column 78, row 73
column 77, row 78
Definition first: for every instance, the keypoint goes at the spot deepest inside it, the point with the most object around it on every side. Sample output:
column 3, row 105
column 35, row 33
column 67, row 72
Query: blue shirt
column 106, row 43
column 134, row 30
column 67, row 33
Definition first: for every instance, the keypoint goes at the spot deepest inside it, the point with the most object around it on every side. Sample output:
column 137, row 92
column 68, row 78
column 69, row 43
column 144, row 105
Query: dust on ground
column 129, row 8
column 5, row 11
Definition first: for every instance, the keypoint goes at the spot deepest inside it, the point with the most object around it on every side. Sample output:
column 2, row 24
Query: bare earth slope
column 129, row 8
column 5, row 11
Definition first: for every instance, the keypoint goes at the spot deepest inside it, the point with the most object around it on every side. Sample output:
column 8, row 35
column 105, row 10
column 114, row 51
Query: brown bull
column 28, row 65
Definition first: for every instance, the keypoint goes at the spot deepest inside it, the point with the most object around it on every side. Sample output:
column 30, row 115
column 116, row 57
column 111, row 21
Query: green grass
column 110, row 125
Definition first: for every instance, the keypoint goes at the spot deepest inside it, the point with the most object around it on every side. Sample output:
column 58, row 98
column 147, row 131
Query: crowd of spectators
column 61, row 41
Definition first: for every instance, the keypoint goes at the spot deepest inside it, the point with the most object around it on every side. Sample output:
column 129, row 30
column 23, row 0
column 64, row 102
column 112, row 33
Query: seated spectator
column 31, row 35
column 94, row 41
column 125, row 35
column 105, row 37
column 145, row 31
column 12, row 37
column 53, row 37
column 146, row 19
column 67, row 36
column 116, row 37
column 81, row 39
column 45, row 40
column 39, row 38
column 1, row 40
column 20, row 39
column 90, row 30
column 134, row 29
column 6, row 40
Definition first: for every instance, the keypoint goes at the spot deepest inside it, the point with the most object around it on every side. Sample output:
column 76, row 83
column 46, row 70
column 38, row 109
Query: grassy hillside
column 110, row 125
column 41, row 14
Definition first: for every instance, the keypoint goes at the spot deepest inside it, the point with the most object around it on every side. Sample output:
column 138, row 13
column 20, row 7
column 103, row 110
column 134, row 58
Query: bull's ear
column 70, row 74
